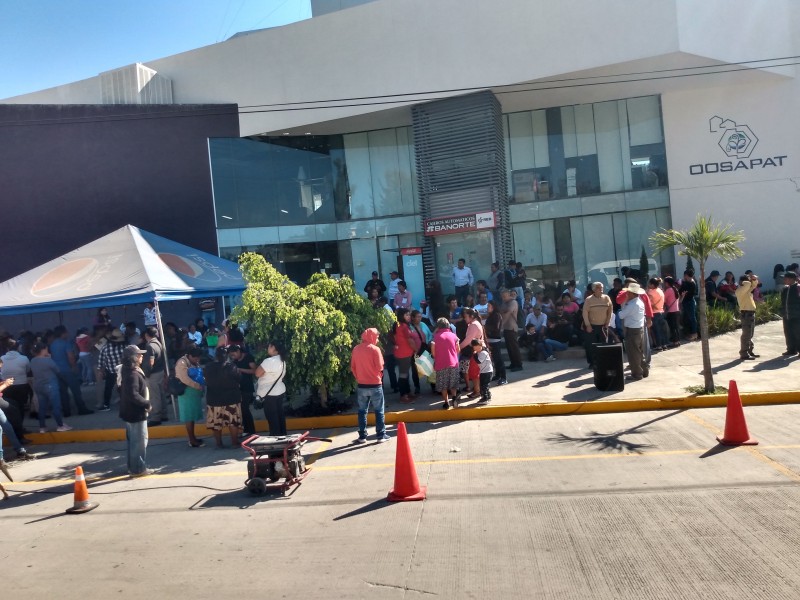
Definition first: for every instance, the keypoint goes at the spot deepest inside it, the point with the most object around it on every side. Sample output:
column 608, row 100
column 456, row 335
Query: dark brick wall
column 72, row 173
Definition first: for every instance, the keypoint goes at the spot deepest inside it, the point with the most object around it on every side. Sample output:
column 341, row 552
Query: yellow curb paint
column 467, row 461
column 458, row 414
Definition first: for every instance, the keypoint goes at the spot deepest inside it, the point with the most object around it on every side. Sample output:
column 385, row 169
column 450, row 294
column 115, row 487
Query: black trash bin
column 608, row 368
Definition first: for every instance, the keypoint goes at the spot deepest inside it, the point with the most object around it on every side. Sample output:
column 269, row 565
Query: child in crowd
column 486, row 370
column 529, row 340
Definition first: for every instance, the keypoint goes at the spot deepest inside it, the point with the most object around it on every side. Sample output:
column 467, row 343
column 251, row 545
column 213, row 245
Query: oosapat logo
column 736, row 141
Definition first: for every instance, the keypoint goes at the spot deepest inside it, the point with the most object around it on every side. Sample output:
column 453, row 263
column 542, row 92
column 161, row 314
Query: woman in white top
column 271, row 389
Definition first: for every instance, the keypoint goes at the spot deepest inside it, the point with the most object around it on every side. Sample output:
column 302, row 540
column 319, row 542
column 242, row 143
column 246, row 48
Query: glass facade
column 584, row 150
column 588, row 186
column 340, row 204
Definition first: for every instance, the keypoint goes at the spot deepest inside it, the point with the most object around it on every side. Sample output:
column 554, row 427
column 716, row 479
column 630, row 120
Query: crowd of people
column 466, row 332
column 462, row 335
column 214, row 379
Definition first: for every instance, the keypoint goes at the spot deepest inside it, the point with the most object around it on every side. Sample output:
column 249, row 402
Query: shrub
column 769, row 309
column 721, row 319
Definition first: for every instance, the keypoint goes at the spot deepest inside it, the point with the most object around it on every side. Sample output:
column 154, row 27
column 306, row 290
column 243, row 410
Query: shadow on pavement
column 726, row 366
column 241, row 498
column 164, row 456
column 718, row 449
column 772, row 364
column 611, row 441
column 368, row 508
column 567, row 376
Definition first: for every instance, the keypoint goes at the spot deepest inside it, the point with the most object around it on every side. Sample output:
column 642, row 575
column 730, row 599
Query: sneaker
column 361, row 440
column 104, row 409
column 64, row 427
column 144, row 473
column 482, row 402
column 23, row 455
column 550, row 358
column 503, row 381
column 384, row 438
column 515, row 369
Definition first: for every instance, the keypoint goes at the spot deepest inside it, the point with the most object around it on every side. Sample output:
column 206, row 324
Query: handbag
column 258, row 401
column 424, row 364
column 175, row 386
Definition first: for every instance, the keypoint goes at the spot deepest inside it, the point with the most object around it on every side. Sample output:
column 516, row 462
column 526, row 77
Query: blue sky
column 44, row 43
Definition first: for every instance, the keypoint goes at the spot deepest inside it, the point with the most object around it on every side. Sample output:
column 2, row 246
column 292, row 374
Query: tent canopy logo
column 61, row 278
column 736, row 141
column 79, row 275
column 195, row 266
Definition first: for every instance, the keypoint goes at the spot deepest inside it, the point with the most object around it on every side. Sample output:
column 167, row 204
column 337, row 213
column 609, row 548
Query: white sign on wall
column 738, row 142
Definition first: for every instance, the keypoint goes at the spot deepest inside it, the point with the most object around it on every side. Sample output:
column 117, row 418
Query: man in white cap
column 632, row 314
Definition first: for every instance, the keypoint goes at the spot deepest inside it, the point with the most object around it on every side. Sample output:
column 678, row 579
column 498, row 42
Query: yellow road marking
column 322, row 447
column 753, row 450
column 467, row 461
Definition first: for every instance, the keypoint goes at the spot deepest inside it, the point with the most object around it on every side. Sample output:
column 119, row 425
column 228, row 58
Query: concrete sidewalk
column 564, row 386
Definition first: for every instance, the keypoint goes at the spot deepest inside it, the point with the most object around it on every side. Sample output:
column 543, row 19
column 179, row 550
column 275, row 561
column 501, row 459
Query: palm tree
column 700, row 242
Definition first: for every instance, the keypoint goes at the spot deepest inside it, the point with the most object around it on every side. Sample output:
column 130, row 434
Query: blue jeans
column 6, row 427
column 690, row 315
column 69, row 380
column 364, row 397
column 49, row 400
column 86, row 362
column 548, row 346
column 137, row 446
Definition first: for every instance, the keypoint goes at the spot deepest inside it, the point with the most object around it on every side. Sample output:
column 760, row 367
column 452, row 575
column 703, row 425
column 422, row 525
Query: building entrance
column 477, row 249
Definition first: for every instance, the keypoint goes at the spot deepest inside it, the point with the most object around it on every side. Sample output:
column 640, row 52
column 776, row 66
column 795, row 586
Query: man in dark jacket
column 134, row 406
column 153, row 367
column 790, row 313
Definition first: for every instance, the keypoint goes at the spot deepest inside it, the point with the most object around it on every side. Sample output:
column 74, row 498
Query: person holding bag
column 270, row 388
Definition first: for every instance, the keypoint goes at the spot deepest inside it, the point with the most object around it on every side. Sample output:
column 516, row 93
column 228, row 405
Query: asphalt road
column 633, row 505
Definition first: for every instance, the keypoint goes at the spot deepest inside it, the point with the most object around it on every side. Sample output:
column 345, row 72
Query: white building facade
column 557, row 134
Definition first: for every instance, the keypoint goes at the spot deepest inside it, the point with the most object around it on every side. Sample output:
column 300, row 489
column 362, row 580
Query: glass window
column 585, row 150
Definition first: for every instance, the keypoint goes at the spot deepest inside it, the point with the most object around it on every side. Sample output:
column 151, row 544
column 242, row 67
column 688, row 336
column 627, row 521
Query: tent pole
column 166, row 358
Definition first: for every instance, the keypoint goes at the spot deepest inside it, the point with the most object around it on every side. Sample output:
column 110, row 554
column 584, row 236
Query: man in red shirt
column 366, row 364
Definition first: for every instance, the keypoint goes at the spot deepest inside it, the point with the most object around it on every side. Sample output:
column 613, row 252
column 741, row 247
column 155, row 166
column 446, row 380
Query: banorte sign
column 460, row 223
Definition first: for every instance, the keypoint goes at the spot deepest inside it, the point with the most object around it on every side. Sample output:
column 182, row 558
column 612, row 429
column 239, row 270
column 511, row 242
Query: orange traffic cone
column 82, row 503
column 406, row 484
column 736, row 433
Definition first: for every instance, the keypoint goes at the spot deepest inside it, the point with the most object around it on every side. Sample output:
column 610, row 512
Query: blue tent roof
column 126, row 266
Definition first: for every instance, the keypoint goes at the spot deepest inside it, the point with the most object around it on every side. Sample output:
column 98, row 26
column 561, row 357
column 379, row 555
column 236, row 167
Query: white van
column 605, row 272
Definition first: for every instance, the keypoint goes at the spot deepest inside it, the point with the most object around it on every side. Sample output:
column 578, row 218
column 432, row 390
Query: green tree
column 644, row 268
column 700, row 242
column 319, row 324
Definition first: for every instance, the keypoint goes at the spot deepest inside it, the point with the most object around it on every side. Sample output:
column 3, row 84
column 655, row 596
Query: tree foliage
column 703, row 240
column 319, row 324
column 644, row 267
